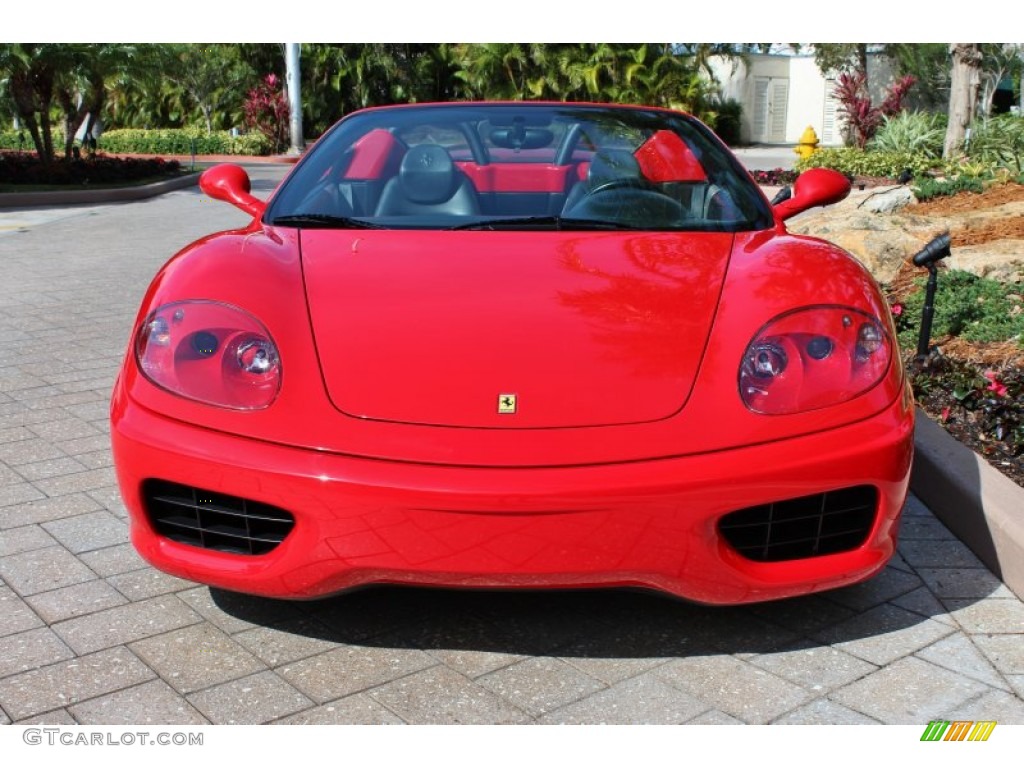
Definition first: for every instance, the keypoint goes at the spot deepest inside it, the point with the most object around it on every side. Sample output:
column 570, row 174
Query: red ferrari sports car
column 515, row 346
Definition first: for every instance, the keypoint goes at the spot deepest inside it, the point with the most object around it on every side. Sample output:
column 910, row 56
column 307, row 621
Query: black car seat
column 428, row 182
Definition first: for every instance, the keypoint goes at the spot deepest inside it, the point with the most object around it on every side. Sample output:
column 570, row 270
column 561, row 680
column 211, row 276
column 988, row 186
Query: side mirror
column 817, row 186
column 230, row 183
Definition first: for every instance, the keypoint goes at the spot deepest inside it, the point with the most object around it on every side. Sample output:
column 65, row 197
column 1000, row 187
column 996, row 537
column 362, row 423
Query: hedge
column 164, row 141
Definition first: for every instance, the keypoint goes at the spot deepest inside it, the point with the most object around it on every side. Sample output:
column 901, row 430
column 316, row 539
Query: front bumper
column 646, row 524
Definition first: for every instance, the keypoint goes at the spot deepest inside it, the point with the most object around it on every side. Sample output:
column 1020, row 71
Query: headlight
column 211, row 352
column 812, row 358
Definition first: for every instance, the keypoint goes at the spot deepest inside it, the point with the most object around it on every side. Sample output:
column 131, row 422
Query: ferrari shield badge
column 506, row 403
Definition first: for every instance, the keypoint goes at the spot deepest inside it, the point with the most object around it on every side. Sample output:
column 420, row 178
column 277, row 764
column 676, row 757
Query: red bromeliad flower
column 995, row 385
column 897, row 310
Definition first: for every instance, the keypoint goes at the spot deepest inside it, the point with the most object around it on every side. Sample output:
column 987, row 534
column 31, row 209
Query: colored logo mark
column 958, row 730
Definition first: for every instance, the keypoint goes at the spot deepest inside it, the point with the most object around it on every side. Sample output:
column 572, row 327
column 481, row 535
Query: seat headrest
column 427, row 174
column 611, row 164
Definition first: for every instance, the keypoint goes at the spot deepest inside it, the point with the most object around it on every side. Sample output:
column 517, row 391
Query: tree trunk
column 963, row 95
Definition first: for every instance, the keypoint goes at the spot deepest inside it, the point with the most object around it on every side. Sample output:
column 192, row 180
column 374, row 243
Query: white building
column 782, row 94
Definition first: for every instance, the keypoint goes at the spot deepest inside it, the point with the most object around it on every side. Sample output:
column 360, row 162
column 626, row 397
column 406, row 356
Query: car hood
column 519, row 330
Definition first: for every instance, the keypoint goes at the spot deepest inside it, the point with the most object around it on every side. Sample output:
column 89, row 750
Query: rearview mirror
column 817, row 186
column 230, row 183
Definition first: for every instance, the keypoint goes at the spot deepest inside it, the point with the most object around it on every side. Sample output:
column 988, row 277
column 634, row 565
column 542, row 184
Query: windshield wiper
column 555, row 222
column 323, row 221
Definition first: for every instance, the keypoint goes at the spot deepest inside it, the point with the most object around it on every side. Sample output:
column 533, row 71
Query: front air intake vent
column 808, row 526
column 214, row 520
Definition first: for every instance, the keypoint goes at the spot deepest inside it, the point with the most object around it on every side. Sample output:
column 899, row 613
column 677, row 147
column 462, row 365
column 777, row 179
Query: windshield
column 519, row 166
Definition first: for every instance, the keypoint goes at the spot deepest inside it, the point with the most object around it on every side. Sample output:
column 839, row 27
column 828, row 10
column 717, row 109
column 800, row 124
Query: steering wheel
column 623, row 183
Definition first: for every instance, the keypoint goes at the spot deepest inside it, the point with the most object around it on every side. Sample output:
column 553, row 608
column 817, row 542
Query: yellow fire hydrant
column 808, row 144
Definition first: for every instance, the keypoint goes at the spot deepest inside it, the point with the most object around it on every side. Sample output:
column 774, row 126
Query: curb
column 981, row 506
column 113, row 195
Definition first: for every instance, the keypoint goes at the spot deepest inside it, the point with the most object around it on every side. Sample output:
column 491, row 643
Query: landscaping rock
column 888, row 200
column 987, row 241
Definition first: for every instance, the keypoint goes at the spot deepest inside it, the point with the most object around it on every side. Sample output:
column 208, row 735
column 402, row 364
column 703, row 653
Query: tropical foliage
column 207, row 85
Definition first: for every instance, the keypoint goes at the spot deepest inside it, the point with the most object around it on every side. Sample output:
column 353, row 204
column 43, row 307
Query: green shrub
column 860, row 162
column 998, row 141
column 22, row 141
column 911, row 133
column 975, row 308
column 927, row 188
column 181, row 141
column 727, row 116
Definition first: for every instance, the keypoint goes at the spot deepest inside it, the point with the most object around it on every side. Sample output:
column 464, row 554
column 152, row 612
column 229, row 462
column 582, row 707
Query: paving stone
column 1017, row 683
column 196, row 657
column 464, row 642
column 111, row 561
column 900, row 564
column 54, row 717
column 358, row 709
column 1006, row 652
column 884, row 634
column 824, row 712
column 539, row 685
column 92, row 410
column 79, row 482
column 610, row 670
column 913, row 528
column 96, row 459
column 80, row 445
column 350, row 669
column 923, row 602
column 938, row 554
column 125, row 623
column 287, row 642
column 24, row 539
column 472, row 663
column 44, row 510
column 714, row 717
column 42, row 570
column 28, row 451
column 889, row 584
column 914, row 507
column 1003, row 707
column 63, row 429
column 909, row 692
column 803, row 615
column 76, row 600
column 4, row 719
column 989, row 616
column 441, row 696
column 815, row 667
column 109, row 497
column 255, row 699
column 29, row 650
column 16, row 613
column 958, row 654
column 233, row 612
column 95, row 530
column 147, row 582
column 69, row 682
column 735, row 687
column 42, row 470
column 154, row 703
column 18, row 493
column 8, row 476
column 972, row 583
column 640, row 700
column 13, row 435
column 361, row 615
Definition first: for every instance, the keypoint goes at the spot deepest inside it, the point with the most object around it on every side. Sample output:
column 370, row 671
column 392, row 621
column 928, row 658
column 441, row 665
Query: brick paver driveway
column 89, row 634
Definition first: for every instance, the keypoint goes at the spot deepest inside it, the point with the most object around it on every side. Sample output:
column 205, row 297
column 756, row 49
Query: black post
column 925, row 334
column 937, row 249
